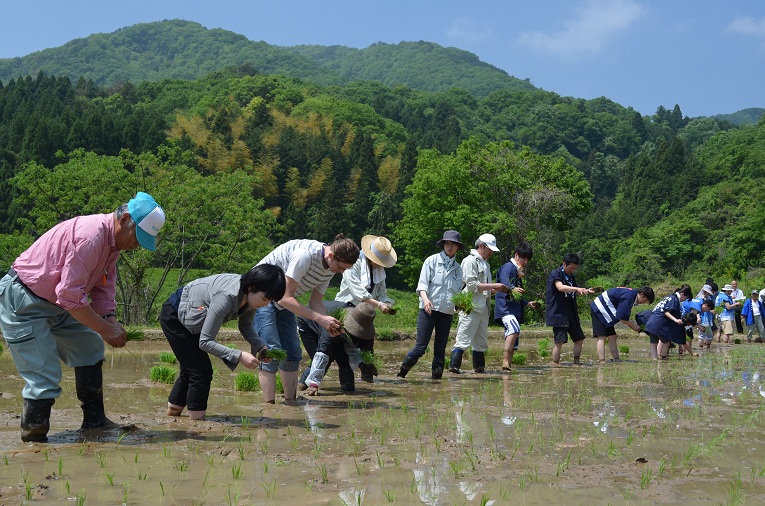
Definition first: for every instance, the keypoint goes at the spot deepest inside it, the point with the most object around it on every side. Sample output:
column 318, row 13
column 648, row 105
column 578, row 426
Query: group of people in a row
column 57, row 303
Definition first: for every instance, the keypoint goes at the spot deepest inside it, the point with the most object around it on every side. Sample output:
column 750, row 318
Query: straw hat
column 359, row 321
column 379, row 250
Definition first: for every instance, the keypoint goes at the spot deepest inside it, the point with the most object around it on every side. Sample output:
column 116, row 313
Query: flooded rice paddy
column 682, row 431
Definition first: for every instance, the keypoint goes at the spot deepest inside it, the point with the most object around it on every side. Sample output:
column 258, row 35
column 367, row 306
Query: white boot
column 318, row 366
column 268, row 385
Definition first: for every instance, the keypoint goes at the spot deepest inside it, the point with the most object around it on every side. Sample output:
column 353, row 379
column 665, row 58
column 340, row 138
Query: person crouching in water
column 192, row 317
column 665, row 322
column 611, row 307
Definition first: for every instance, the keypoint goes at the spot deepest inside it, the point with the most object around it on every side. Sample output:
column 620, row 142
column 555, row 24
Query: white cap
column 490, row 241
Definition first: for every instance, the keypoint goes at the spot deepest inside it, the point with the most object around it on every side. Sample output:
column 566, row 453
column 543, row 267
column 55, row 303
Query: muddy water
column 685, row 431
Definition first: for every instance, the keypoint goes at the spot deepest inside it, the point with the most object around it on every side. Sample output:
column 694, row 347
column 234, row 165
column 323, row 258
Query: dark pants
column 739, row 323
column 314, row 341
column 192, row 387
column 426, row 324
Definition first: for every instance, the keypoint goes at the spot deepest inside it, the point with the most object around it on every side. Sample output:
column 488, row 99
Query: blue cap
column 148, row 218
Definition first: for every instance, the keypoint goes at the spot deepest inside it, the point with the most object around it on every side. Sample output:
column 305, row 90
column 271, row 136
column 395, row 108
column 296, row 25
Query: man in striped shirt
column 611, row 307
column 57, row 303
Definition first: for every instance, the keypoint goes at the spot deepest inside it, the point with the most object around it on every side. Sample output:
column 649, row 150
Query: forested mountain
column 180, row 49
column 418, row 65
column 743, row 117
column 243, row 160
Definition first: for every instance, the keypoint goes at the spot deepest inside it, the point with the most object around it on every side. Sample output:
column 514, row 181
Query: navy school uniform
column 613, row 305
column 661, row 326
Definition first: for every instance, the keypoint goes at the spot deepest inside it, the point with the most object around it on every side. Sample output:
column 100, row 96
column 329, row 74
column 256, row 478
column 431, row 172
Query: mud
column 683, row 431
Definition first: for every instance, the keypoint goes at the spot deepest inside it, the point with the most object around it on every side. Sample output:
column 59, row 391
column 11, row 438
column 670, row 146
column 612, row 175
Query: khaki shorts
column 726, row 327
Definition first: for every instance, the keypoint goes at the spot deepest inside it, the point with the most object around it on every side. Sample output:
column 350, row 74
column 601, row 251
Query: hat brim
column 493, row 248
column 145, row 239
column 440, row 244
column 357, row 331
column 366, row 247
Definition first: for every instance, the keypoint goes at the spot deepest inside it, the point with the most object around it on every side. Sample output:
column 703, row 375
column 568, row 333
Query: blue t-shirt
column 503, row 304
column 613, row 305
column 727, row 314
column 559, row 305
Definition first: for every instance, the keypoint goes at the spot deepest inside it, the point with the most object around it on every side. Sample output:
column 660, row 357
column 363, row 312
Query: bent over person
column 57, row 303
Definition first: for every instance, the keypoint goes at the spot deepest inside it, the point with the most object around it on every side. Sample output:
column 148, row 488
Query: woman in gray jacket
column 192, row 317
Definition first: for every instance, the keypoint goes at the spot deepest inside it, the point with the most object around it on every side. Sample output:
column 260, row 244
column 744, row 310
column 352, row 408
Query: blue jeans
column 278, row 329
column 426, row 323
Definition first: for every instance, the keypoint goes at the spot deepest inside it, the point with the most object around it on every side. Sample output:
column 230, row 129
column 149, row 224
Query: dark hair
column 523, row 250
column 265, row 278
column 344, row 249
column 685, row 290
column 710, row 303
column 572, row 258
column 709, row 281
column 714, row 286
column 647, row 292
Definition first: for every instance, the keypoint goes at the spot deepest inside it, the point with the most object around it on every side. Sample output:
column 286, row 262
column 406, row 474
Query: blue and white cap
column 148, row 218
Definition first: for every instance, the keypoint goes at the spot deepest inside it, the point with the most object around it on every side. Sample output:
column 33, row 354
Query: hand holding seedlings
column 249, row 360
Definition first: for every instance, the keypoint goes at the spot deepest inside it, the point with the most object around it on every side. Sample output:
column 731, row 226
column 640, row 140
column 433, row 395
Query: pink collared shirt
column 74, row 261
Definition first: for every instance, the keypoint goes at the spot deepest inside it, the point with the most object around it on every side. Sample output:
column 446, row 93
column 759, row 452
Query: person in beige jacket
column 473, row 328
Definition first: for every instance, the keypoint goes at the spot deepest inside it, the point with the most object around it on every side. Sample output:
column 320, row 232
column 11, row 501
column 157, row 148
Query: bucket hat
column 453, row 236
column 359, row 321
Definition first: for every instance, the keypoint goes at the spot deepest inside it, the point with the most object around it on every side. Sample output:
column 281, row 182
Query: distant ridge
column 179, row 49
column 750, row 116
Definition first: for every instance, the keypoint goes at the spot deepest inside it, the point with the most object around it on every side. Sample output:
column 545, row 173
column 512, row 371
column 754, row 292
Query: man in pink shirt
column 57, row 304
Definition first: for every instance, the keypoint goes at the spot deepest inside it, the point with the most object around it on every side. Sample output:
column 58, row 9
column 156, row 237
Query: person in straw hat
column 358, row 327
column 365, row 282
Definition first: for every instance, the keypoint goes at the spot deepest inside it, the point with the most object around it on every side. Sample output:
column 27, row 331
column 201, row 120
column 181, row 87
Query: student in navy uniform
column 665, row 322
column 609, row 308
column 561, row 311
column 507, row 311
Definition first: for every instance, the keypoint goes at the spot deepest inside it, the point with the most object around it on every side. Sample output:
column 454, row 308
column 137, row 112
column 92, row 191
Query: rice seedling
column 236, row 470
column 247, row 382
column 167, row 357
column 269, row 487
column 463, row 301
column 134, row 334
column 322, row 472
column 162, row 374
column 275, row 354
column 182, row 465
column 79, row 499
column 389, row 495
column 519, row 358
column 109, row 478
column 646, row 477
column 370, row 358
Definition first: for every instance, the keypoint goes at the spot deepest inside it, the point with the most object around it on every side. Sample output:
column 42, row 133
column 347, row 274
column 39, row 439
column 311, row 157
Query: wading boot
column 35, row 420
column 368, row 372
column 89, row 382
column 347, row 379
column 479, row 361
column 455, row 362
column 437, row 369
column 407, row 364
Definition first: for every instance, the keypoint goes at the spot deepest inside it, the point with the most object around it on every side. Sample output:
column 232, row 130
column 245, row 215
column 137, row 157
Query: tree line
column 638, row 197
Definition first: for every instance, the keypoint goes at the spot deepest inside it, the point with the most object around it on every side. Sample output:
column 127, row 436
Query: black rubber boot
column 479, row 361
column 407, row 364
column 89, row 381
column 437, row 369
column 347, row 380
column 456, row 360
column 35, row 420
column 368, row 372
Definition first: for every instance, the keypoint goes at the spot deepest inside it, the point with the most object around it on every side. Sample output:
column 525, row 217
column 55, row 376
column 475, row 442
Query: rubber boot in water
column 479, row 361
column 35, row 420
column 455, row 362
column 89, row 381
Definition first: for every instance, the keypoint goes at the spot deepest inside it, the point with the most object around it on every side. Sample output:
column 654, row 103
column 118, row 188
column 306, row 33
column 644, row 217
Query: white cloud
column 594, row 25
column 747, row 25
column 466, row 29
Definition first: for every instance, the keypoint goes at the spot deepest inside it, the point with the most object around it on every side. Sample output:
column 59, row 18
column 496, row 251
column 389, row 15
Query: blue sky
column 708, row 56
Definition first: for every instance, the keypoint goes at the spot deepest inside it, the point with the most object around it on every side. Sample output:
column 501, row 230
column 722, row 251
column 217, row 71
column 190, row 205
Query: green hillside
column 178, row 49
column 743, row 117
column 418, row 65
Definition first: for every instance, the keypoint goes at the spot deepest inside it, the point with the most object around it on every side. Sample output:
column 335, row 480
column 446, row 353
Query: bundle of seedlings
column 463, row 301
column 273, row 354
column 247, row 382
column 369, row 358
column 394, row 309
column 134, row 334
